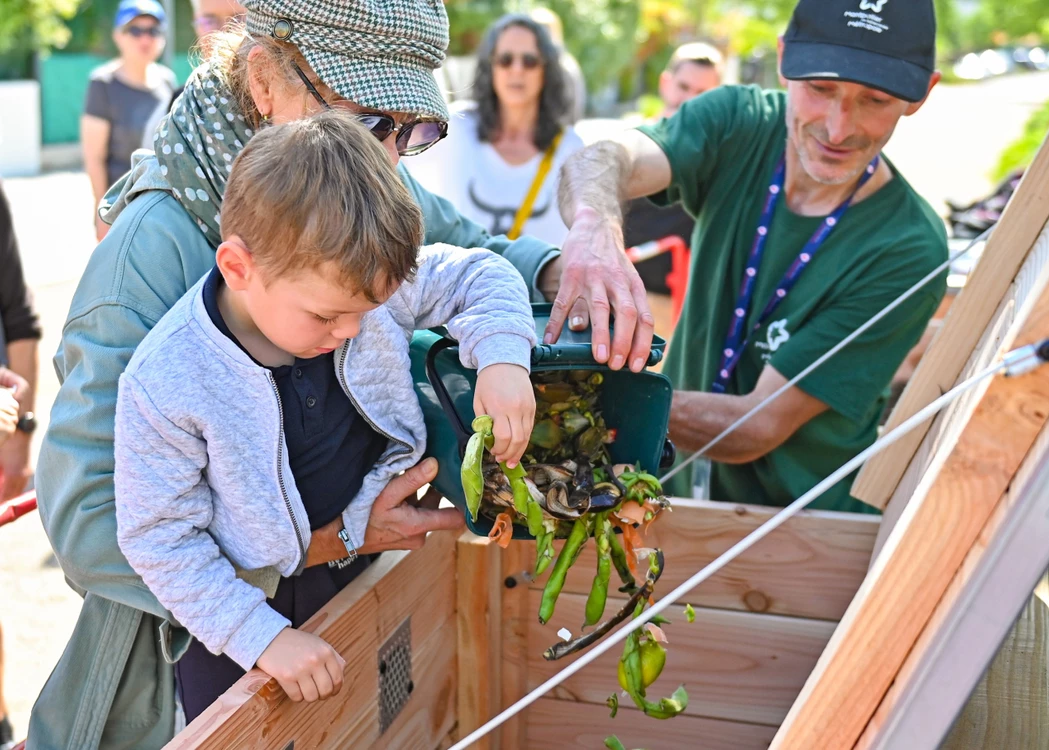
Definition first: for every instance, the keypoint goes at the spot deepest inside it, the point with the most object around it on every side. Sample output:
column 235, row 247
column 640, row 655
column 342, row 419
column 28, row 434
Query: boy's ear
column 236, row 263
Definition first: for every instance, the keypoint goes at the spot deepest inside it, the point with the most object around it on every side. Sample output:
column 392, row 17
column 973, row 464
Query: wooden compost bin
column 476, row 644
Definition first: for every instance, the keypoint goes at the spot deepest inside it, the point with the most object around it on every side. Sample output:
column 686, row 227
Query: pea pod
column 619, row 560
column 595, row 602
column 667, row 708
column 544, row 547
column 470, row 472
column 524, row 503
column 556, row 581
column 613, row 743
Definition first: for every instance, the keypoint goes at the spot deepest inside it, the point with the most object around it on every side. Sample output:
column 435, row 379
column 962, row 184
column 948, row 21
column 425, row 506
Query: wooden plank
column 1008, row 246
column 972, row 618
column 517, row 558
column 573, row 726
column 997, row 339
column 739, row 666
column 256, row 713
column 923, row 553
column 477, row 561
column 811, row 567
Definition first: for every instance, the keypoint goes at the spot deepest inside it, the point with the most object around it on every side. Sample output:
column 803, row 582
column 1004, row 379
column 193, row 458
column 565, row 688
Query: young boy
column 277, row 396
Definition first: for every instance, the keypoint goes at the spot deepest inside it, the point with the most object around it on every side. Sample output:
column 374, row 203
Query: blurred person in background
column 574, row 80
column 693, row 69
column 122, row 95
column 209, row 16
column 19, row 334
column 500, row 162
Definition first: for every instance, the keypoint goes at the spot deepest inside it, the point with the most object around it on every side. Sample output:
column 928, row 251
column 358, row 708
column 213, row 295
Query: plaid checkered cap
column 380, row 54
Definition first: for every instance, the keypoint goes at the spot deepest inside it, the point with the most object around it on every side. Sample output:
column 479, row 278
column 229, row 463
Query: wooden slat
column 996, row 339
column 923, row 553
column 256, row 713
column 1020, row 225
column 811, row 567
column 1012, row 700
column 514, row 640
column 567, row 725
column 478, row 656
column 739, row 666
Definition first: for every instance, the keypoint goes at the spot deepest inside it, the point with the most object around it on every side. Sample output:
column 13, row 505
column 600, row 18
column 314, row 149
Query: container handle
column 441, row 392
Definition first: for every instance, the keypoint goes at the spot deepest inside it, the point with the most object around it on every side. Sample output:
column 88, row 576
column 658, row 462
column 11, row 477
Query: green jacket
column 114, row 685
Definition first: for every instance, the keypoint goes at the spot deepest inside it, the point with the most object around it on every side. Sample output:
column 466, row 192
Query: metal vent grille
column 395, row 674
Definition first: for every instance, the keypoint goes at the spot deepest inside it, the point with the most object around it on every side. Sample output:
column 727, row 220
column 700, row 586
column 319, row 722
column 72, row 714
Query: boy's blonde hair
column 321, row 190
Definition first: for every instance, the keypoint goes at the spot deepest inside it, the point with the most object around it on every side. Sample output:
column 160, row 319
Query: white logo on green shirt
column 777, row 334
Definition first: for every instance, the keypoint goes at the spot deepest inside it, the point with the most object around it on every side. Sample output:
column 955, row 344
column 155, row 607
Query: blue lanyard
column 734, row 341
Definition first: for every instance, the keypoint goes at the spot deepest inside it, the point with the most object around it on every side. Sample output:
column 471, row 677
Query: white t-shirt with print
column 487, row 190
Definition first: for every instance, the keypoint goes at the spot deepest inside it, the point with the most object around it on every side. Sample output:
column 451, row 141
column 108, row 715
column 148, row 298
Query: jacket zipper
column 345, row 387
column 280, row 464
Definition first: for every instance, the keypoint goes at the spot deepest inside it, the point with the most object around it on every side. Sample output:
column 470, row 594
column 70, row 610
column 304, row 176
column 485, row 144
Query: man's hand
column 14, row 453
column 8, row 415
column 597, row 280
column 395, row 522
column 504, row 392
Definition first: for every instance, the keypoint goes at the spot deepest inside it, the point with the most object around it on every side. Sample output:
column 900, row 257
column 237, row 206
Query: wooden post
column 477, row 563
column 1021, row 223
column 516, row 559
column 923, row 553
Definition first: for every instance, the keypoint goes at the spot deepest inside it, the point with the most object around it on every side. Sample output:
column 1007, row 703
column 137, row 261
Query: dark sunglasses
column 412, row 138
column 140, row 31
column 528, row 60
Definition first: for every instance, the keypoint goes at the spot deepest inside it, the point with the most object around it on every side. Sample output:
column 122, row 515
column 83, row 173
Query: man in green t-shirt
column 784, row 264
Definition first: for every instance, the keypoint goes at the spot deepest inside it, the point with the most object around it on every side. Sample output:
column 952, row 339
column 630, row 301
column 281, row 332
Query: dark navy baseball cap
column 129, row 10
column 889, row 45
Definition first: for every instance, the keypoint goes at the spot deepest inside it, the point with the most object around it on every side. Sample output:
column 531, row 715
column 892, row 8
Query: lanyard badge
column 735, row 342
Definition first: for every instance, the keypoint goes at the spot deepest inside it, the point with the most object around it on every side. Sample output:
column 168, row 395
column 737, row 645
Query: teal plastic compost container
column 636, row 405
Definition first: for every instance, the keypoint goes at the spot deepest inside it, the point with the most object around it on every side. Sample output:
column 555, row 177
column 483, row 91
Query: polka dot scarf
column 196, row 145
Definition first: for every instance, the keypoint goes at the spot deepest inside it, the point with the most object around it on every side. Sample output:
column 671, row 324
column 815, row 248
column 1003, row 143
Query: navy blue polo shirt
column 331, row 447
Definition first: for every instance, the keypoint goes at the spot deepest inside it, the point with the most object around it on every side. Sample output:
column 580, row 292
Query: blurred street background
column 985, row 120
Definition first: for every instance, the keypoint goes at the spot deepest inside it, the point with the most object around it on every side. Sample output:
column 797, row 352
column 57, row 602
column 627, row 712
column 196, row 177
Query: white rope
column 827, row 355
column 1018, row 361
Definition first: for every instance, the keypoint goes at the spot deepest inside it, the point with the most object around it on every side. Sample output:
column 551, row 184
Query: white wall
column 19, row 128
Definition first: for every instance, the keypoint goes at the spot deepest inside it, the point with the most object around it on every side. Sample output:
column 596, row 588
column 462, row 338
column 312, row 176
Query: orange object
column 502, row 532
column 680, row 257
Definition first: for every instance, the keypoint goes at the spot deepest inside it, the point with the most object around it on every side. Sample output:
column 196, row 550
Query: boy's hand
column 504, row 393
column 306, row 666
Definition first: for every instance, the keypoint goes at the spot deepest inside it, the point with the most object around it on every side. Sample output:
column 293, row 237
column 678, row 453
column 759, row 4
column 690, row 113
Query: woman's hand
column 504, row 392
column 306, row 666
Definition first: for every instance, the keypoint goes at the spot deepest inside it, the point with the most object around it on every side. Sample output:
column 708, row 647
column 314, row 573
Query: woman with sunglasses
column 501, row 162
column 122, row 96
column 114, row 686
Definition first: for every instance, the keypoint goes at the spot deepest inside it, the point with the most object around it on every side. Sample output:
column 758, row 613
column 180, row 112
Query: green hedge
column 1020, row 152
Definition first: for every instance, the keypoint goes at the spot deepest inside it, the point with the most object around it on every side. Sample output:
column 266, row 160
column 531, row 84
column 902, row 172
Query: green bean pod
column 544, row 548
column 595, row 602
column 470, row 473
column 619, row 560
column 524, row 503
column 576, row 539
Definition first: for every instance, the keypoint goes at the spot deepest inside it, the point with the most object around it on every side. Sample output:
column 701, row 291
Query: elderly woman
column 500, row 164
column 114, row 685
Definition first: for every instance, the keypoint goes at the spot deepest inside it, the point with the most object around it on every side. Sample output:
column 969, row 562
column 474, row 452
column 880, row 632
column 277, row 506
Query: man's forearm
column 23, row 359
column 696, row 418
column 593, row 178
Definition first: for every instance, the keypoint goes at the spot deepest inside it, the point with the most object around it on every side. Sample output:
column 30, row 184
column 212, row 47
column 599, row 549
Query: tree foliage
column 35, row 25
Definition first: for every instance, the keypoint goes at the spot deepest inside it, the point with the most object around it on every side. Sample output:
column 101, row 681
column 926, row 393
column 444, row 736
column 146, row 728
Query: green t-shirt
column 723, row 148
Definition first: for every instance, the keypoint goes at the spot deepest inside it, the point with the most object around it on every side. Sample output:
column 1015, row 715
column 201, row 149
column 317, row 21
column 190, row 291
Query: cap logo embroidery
column 873, row 5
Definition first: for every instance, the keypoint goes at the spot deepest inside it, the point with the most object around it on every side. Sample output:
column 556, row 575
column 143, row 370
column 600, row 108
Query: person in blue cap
column 804, row 231
column 122, row 95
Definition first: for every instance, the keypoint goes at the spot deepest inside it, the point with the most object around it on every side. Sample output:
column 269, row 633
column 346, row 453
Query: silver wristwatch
column 351, row 553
